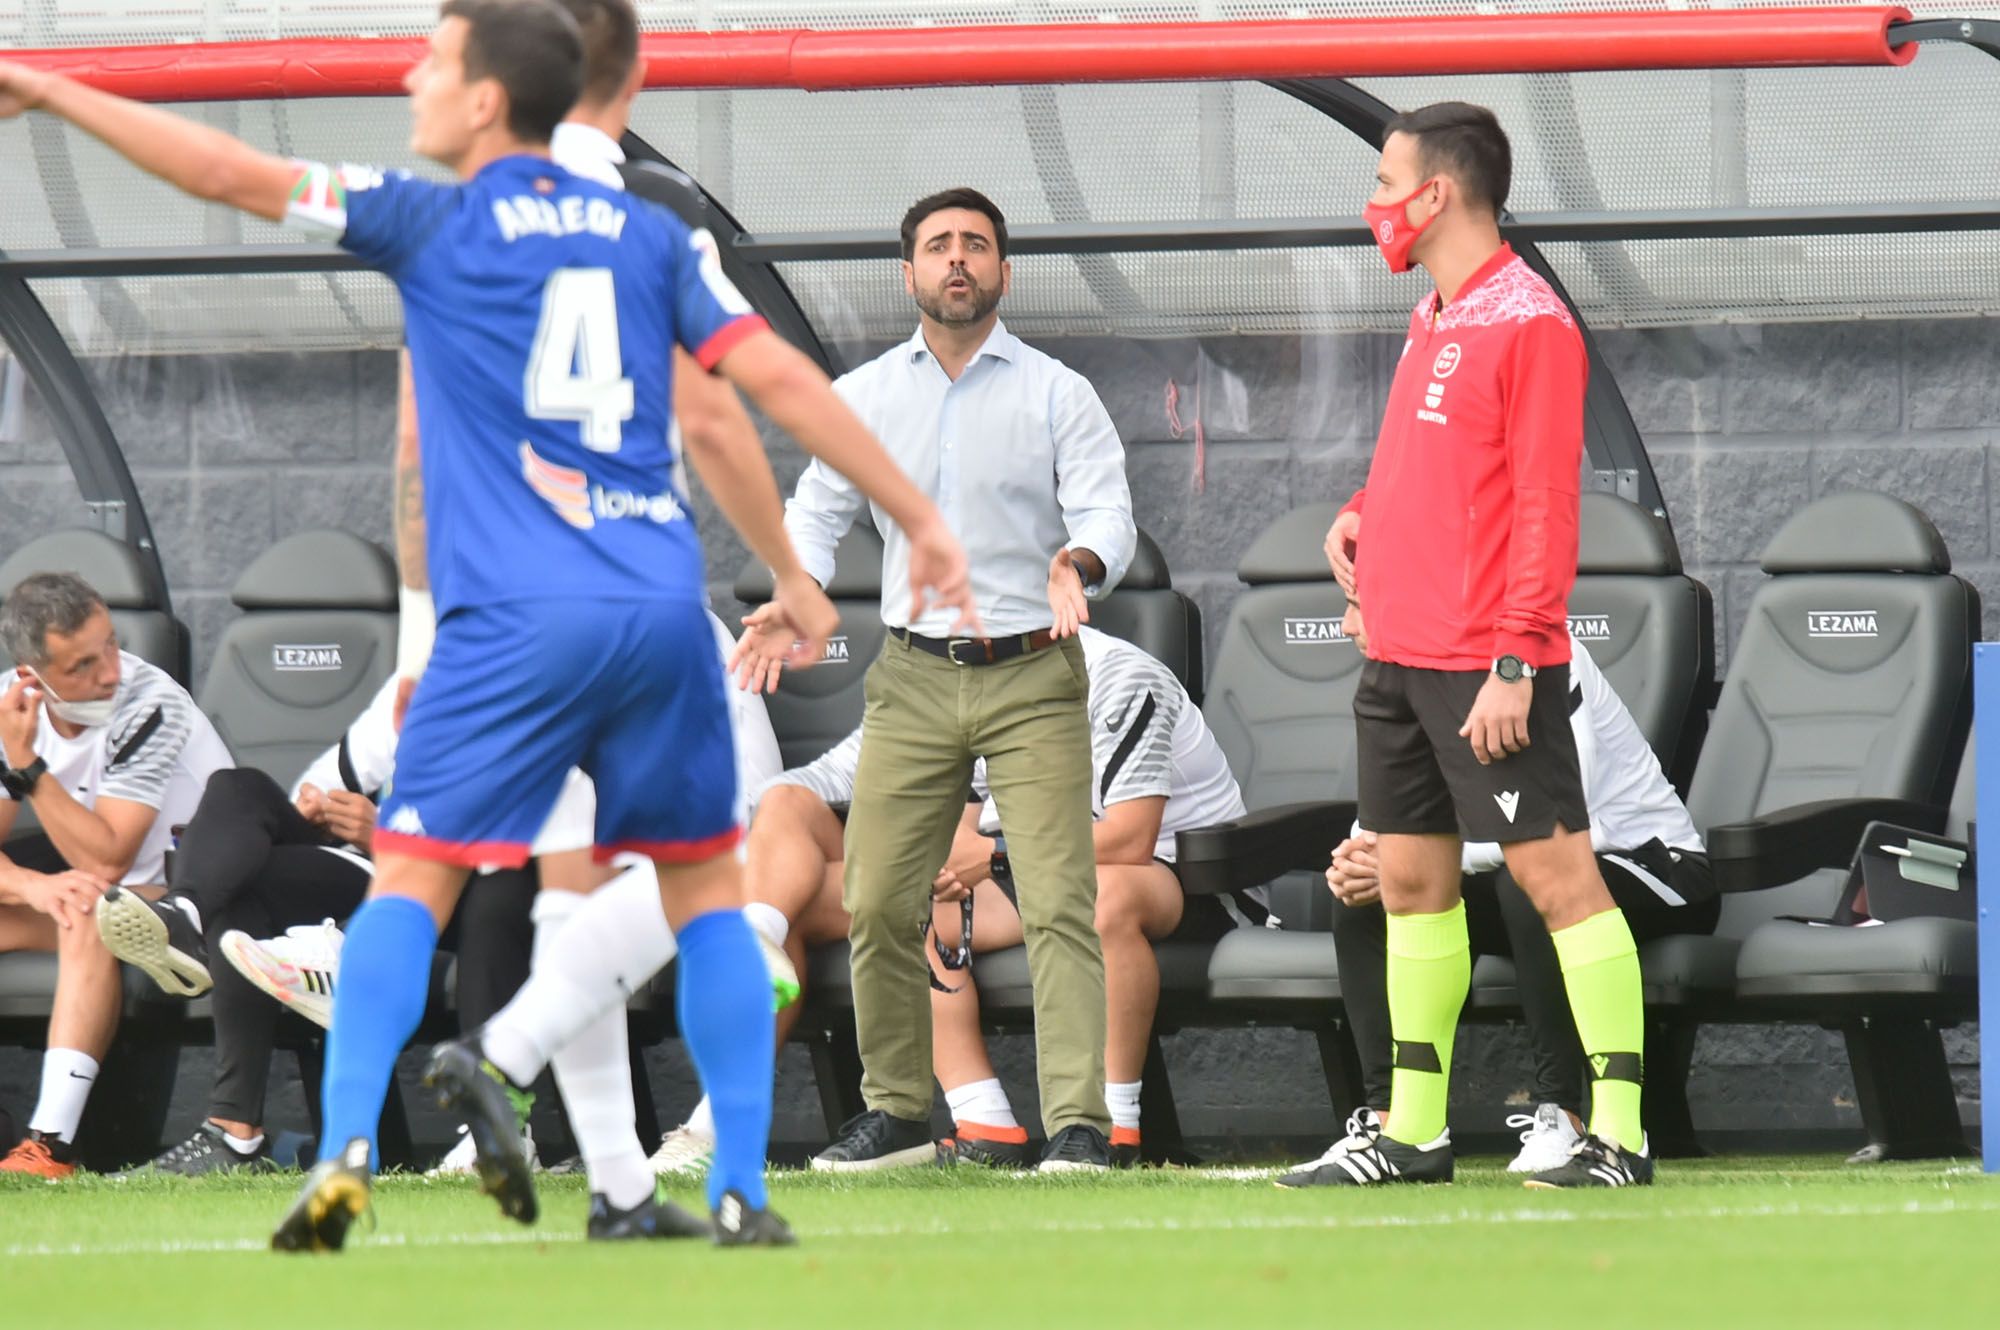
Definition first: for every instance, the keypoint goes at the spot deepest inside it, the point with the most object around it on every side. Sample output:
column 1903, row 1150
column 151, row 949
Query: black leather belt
column 977, row 650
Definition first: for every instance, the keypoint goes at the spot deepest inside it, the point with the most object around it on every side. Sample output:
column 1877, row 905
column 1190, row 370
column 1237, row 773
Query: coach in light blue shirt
column 1023, row 460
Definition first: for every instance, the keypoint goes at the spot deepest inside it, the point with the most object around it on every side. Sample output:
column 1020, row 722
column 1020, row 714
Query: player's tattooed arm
column 193, row 157
column 416, row 623
column 409, row 493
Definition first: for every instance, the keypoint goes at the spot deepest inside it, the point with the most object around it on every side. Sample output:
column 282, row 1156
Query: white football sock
column 67, row 1076
column 702, row 1121
column 245, row 1146
column 769, row 921
column 603, row 953
column 1122, row 1098
column 984, row 1102
column 594, row 1075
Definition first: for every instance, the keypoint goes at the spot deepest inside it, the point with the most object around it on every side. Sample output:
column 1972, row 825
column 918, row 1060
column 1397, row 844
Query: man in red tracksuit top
column 1462, row 548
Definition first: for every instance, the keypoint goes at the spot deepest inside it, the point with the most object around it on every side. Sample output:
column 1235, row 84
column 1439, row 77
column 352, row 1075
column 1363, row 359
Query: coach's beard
column 958, row 309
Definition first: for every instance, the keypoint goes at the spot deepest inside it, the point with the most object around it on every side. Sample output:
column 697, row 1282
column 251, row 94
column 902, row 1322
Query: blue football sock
column 724, row 996
column 385, row 979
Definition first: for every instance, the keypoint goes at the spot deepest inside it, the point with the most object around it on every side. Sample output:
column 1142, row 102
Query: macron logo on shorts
column 1509, row 801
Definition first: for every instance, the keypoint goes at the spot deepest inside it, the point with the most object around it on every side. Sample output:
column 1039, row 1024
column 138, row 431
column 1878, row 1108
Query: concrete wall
column 1745, row 426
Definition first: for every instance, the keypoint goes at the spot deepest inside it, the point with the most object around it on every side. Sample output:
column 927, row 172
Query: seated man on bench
column 111, row 754
column 1156, row 769
column 263, row 878
column 1652, row 860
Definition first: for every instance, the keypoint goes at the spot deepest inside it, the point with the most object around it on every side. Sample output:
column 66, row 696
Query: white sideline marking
column 1138, row 1224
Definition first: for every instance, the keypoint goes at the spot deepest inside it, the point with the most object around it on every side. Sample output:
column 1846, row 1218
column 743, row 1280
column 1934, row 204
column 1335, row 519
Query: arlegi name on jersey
column 531, row 215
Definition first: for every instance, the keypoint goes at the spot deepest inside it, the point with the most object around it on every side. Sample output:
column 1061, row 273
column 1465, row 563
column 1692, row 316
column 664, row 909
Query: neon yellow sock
column 1430, row 969
column 1600, row 966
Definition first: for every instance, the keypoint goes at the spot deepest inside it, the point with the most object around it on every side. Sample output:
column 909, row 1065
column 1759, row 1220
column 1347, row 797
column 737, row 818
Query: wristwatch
column 1512, row 669
column 22, row 783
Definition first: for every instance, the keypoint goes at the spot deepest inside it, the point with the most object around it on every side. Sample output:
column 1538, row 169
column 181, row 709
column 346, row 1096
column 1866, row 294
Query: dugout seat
column 316, row 640
column 1649, row 627
column 1847, row 701
column 1146, row 611
column 1889, row 988
column 130, row 585
column 1280, row 704
column 814, row 709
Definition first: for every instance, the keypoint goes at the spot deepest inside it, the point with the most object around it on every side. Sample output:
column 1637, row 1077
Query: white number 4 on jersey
column 576, row 370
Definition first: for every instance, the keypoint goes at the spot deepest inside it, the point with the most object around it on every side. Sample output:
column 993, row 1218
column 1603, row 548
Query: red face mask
column 1394, row 235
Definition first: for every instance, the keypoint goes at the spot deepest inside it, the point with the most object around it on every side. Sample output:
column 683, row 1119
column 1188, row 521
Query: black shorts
column 1417, row 777
column 1203, row 918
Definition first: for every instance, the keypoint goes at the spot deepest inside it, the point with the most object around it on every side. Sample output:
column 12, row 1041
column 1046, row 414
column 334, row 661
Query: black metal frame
column 95, row 458
column 106, row 483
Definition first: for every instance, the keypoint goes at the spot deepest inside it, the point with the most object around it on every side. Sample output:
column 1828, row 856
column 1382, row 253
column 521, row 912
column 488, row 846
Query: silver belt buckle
column 951, row 651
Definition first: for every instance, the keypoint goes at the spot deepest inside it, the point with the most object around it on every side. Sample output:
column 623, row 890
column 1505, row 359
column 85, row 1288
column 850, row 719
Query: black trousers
column 1502, row 921
column 249, row 861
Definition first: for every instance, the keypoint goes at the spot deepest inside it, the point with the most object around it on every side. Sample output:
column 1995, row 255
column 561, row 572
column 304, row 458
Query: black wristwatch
column 22, row 783
column 1512, row 669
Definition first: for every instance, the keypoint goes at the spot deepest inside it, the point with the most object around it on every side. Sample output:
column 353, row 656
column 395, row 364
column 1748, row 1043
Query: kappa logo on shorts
column 317, row 658
column 405, row 822
column 1590, row 627
column 1842, row 623
column 1314, row 632
column 1509, row 801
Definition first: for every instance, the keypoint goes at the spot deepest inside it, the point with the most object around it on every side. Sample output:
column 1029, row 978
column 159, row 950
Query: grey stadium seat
column 1280, row 702
column 131, row 589
column 1847, row 701
column 1889, row 988
column 1280, row 694
column 814, row 709
column 317, row 638
column 1649, row 626
column 1146, row 611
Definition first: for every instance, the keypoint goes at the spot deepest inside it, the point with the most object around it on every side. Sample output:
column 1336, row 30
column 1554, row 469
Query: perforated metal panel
column 797, row 162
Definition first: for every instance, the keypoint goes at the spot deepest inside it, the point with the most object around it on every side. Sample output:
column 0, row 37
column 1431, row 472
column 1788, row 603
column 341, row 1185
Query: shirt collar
column 579, row 141
column 999, row 343
column 1480, row 276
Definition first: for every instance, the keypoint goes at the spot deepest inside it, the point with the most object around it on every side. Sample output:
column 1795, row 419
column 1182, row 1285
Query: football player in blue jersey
column 540, row 311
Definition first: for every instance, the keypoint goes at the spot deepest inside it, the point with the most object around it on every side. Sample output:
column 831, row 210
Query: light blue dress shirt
column 1018, row 454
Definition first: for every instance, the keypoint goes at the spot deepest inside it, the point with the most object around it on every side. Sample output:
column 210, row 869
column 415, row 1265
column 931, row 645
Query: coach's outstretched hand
column 791, row 630
column 940, row 575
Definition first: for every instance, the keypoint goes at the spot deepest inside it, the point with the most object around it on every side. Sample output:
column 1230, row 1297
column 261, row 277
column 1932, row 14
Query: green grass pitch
column 1739, row 1242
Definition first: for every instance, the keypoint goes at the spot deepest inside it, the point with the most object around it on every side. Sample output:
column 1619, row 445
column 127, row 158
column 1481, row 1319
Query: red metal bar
column 1058, row 53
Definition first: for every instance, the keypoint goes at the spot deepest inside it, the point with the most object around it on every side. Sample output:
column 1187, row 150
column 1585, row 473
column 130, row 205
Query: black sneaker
column 208, row 1151
column 156, row 936
column 1126, row 1156
column 335, row 1195
column 1366, row 1158
column 479, row 1094
column 959, row 1148
column 654, row 1217
column 1596, row 1162
column 1077, row 1148
column 737, row 1225
column 876, row 1140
